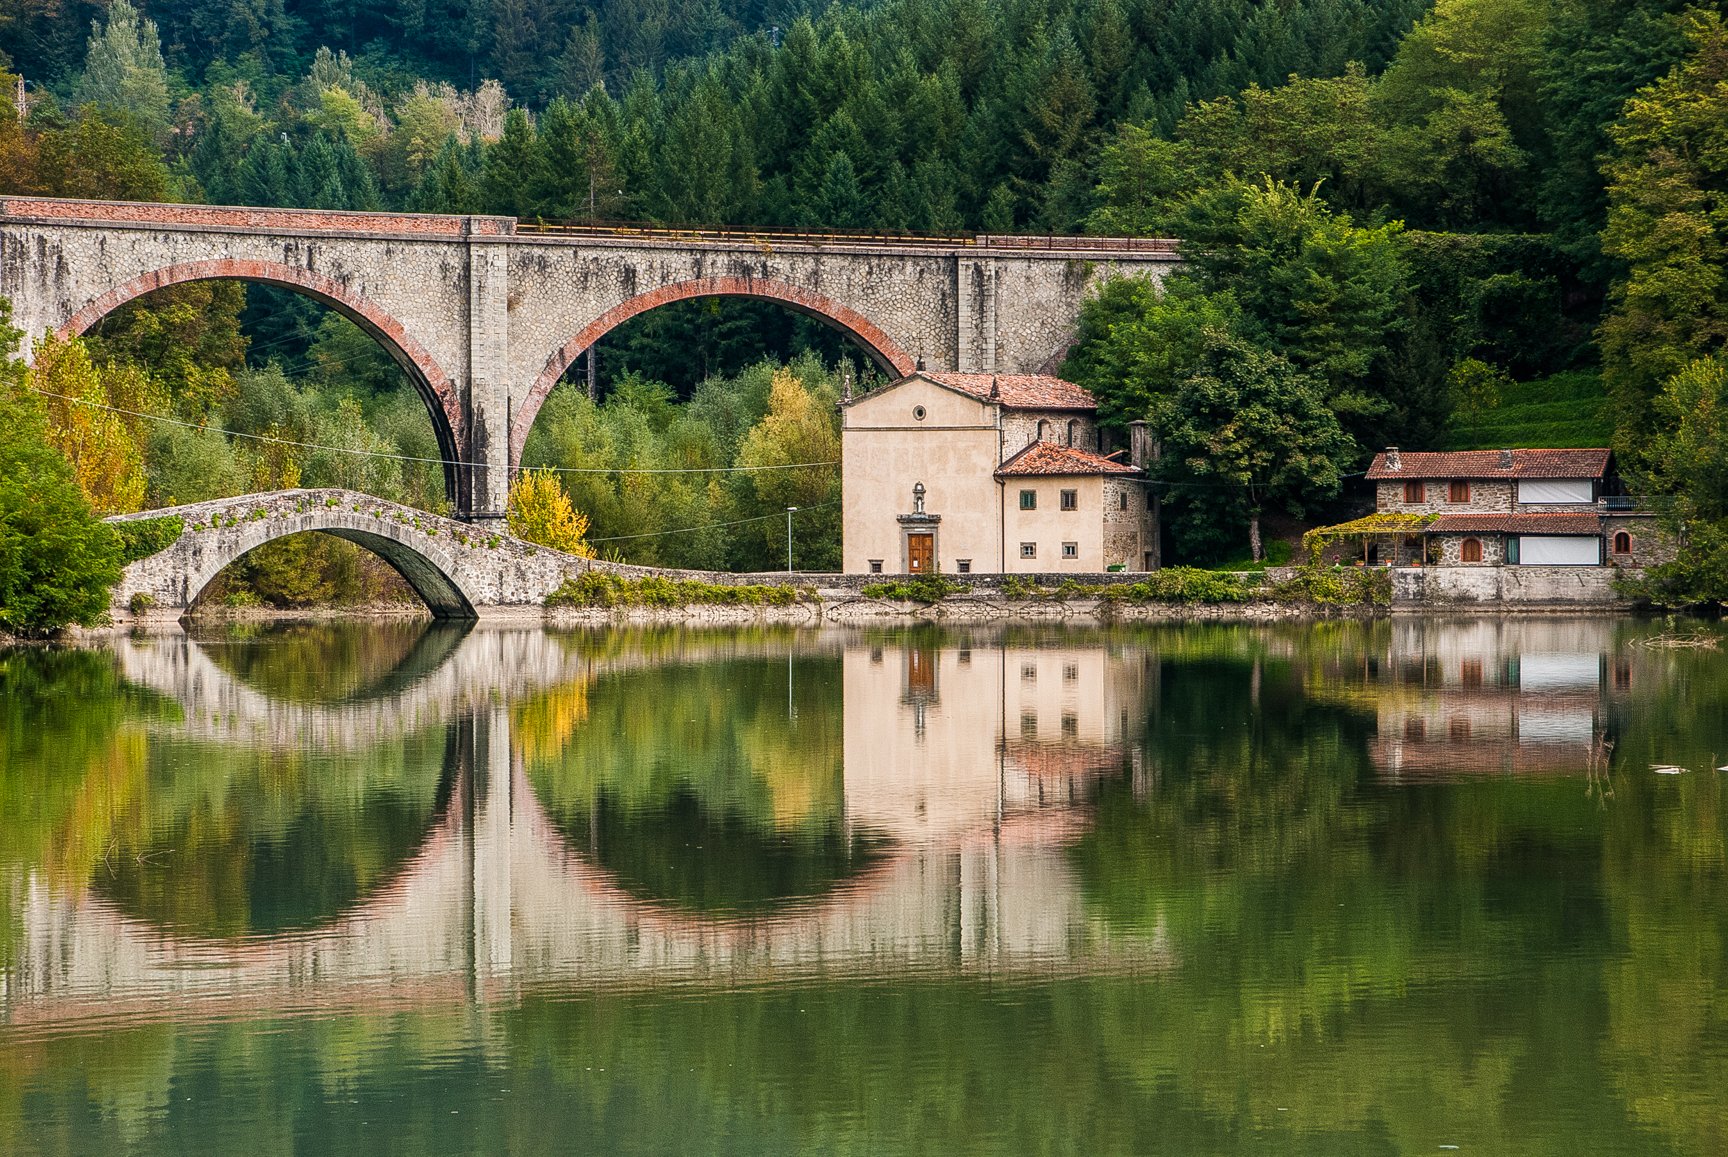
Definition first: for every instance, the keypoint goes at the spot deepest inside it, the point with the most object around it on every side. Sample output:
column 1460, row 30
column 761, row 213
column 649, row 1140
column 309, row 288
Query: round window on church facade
column 918, row 413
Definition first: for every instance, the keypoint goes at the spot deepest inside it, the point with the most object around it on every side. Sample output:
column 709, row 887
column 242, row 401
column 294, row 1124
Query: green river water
column 1335, row 888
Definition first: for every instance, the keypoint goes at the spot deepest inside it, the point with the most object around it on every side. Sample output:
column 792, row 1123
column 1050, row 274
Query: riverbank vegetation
column 595, row 588
column 1465, row 223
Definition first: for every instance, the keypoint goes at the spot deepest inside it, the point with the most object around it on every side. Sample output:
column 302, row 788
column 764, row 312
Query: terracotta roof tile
column 1420, row 464
column 1019, row 391
column 1049, row 458
column 1516, row 524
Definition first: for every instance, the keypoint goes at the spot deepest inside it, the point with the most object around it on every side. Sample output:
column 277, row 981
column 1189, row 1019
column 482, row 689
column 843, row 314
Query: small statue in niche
column 917, row 498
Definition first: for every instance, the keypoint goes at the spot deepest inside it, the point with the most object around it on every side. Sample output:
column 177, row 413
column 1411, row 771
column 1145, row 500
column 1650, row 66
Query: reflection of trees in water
column 1336, row 936
column 222, row 842
column 65, row 750
column 724, row 860
column 715, row 786
column 329, row 662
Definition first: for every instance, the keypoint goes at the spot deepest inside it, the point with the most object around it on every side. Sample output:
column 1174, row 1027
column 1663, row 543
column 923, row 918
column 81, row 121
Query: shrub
column 57, row 560
column 930, row 588
column 540, row 511
column 1015, row 587
column 1183, row 584
column 1337, row 587
column 595, row 588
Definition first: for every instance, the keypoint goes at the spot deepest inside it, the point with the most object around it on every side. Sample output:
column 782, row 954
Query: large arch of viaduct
column 485, row 317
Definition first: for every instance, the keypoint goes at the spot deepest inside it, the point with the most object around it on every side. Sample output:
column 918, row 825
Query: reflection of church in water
column 1488, row 697
column 950, row 735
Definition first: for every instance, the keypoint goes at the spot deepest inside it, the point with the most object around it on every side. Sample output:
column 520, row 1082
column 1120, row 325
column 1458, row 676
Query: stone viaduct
column 486, row 314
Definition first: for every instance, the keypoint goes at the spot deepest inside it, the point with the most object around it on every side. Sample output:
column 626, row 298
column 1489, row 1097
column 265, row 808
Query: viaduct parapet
column 485, row 315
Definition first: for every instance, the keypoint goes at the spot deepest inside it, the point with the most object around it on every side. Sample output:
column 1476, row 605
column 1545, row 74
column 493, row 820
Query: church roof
column 1017, row 391
column 1047, row 458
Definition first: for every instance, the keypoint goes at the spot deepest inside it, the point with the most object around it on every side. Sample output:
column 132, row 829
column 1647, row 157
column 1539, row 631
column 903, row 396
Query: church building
column 988, row 473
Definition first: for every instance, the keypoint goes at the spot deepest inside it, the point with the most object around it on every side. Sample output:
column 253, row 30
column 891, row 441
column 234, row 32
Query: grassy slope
column 1565, row 410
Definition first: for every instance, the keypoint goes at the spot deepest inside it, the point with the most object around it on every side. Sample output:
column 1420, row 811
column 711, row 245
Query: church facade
column 987, row 473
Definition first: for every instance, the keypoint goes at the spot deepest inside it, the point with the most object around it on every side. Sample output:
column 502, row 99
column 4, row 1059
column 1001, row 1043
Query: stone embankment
column 468, row 570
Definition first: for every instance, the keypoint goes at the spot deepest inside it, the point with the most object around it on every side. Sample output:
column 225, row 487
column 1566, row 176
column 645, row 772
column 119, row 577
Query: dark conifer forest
column 1454, row 224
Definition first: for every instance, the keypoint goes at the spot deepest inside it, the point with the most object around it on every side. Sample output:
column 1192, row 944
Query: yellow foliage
column 544, row 724
column 540, row 511
column 105, row 452
column 796, row 429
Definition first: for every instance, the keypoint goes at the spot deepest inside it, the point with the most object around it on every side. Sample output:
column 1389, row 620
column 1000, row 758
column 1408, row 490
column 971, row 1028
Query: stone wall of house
column 1485, row 496
column 1447, row 549
column 1021, row 427
column 1129, row 528
column 1652, row 545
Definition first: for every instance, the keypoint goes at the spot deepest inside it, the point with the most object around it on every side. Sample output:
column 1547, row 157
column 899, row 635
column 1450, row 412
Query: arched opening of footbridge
column 296, row 570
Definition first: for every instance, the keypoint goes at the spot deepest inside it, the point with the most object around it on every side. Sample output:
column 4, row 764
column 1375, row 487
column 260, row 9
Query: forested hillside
column 1438, row 223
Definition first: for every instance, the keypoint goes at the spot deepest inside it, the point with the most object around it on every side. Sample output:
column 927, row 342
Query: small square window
column 1070, row 500
column 1070, row 550
column 1028, row 724
column 1412, row 493
column 1028, row 500
column 1070, row 725
column 875, row 566
column 1028, row 550
column 1459, row 491
column 1029, row 672
column 964, row 565
column 1070, row 672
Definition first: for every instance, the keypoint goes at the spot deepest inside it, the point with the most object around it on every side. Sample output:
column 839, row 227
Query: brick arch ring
column 443, row 401
column 883, row 350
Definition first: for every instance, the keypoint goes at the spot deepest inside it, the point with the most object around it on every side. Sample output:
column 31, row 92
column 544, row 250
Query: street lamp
column 789, row 511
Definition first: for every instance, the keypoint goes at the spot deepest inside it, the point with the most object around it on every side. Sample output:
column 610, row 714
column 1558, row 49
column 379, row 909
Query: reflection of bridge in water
column 969, row 760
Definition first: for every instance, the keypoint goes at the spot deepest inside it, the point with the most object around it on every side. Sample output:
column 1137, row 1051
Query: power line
column 274, row 441
column 709, row 526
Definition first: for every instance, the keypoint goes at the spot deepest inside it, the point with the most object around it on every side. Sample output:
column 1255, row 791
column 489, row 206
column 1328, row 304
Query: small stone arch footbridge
column 458, row 568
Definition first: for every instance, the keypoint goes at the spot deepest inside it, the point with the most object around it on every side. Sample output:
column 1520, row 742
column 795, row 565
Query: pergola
column 1386, row 528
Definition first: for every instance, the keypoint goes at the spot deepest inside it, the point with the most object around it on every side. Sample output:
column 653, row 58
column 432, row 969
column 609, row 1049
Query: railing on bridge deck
column 625, row 230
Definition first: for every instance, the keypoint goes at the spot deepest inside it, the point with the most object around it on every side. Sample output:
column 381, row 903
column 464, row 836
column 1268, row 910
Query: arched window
column 1471, row 550
column 1043, row 430
column 1622, row 542
column 1072, row 426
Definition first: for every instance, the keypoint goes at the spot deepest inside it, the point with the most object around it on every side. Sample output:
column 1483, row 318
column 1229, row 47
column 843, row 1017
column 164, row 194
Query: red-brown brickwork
column 315, row 285
column 803, row 300
column 255, row 220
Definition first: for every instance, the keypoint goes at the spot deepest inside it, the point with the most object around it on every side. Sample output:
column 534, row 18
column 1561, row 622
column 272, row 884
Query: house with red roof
column 987, row 473
column 1517, row 508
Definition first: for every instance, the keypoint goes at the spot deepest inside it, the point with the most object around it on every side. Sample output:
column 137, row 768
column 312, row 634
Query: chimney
column 1393, row 462
column 1139, row 445
column 1505, row 459
column 995, row 389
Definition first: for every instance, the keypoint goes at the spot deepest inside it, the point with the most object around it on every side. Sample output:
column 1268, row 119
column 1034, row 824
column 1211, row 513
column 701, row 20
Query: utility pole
column 789, row 511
